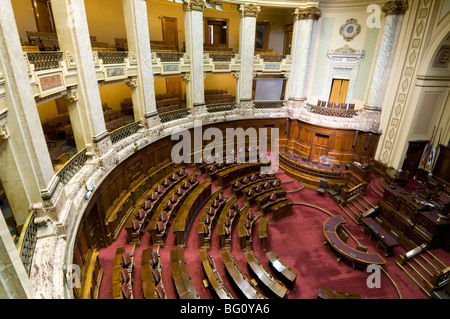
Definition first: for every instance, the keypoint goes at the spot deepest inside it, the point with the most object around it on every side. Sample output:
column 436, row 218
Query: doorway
column 339, row 90
column 319, row 146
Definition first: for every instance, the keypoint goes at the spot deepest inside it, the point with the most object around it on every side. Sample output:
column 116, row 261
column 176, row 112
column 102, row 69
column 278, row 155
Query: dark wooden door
column 413, row 156
column 43, row 15
column 319, row 146
column 170, row 31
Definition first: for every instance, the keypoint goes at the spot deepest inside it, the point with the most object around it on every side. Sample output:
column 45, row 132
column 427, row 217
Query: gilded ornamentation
column 350, row 29
column 198, row 5
column 395, row 7
column 249, row 10
column 313, row 13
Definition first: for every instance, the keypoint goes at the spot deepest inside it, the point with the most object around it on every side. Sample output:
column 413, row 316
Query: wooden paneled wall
column 312, row 141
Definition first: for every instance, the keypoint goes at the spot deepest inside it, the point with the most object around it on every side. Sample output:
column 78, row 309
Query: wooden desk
column 212, row 276
column 116, row 279
column 182, row 281
column 189, row 210
column 157, row 236
column 286, row 274
column 325, row 293
column 245, row 236
column 224, row 239
column 226, row 176
column 365, row 174
column 264, row 203
column 281, row 210
column 205, row 239
column 244, row 286
column 147, row 279
column 331, row 228
column 236, row 191
column 262, row 232
column 251, row 199
column 393, row 177
column 272, row 286
column 382, row 236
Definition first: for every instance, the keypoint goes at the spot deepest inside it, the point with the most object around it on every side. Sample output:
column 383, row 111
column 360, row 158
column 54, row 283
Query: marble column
column 193, row 26
column 14, row 282
column 247, row 29
column 25, row 166
column 301, row 49
column 138, row 38
column 394, row 11
column 74, row 41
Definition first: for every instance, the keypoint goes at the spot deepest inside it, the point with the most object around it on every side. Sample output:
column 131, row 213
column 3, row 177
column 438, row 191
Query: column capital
column 249, row 10
column 197, row 5
column 313, row 13
column 395, row 7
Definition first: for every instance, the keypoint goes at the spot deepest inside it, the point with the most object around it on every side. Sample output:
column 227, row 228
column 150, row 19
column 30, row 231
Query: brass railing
column 330, row 111
column 173, row 115
column 72, row 166
column 112, row 57
column 268, row 104
column 169, row 56
column 45, row 60
column 27, row 242
column 124, row 132
column 221, row 107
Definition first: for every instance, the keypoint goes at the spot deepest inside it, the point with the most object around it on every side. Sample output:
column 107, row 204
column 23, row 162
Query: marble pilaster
column 394, row 16
column 26, row 169
column 142, row 88
column 73, row 37
column 247, row 29
column 193, row 26
column 301, row 48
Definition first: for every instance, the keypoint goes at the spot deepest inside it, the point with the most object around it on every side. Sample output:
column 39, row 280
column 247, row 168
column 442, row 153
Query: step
column 412, row 275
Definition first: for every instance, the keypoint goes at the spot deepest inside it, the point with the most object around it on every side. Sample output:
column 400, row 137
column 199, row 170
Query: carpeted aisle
column 297, row 240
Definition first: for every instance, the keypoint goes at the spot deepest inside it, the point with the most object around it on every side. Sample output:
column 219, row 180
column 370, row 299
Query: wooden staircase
column 425, row 270
column 356, row 207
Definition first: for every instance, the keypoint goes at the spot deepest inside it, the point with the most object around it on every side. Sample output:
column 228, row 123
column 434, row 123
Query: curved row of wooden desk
column 149, row 206
column 268, row 283
column 214, row 281
column 151, row 275
column 331, row 231
column 181, row 279
column 157, row 226
column 244, row 286
column 224, row 232
column 213, row 207
column 188, row 210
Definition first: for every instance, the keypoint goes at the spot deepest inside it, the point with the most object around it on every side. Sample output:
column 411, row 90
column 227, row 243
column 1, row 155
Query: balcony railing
column 221, row 107
column 169, row 56
column 44, row 60
column 124, row 132
column 27, row 242
column 273, row 57
column 221, row 57
column 331, row 111
column 72, row 166
column 268, row 104
column 173, row 115
column 112, row 57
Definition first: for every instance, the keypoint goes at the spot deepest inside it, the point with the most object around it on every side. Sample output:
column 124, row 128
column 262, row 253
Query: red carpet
column 297, row 240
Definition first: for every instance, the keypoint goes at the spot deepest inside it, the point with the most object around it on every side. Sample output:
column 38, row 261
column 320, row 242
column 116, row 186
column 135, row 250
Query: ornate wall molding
column 197, row 5
column 4, row 132
column 350, row 29
column 313, row 13
column 249, row 10
column 395, row 7
column 407, row 75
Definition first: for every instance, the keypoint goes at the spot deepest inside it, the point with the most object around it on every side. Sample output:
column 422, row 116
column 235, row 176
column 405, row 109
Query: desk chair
column 336, row 190
column 361, row 248
column 322, row 187
column 343, row 236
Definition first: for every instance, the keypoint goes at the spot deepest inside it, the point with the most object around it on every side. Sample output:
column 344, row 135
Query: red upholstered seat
column 160, row 226
column 160, row 291
column 254, row 177
column 237, row 184
column 228, row 221
column 206, row 229
column 273, row 197
column 231, row 213
column 221, row 197
column 126, row 293
column 156, row 275
column 246, row 180
column 248, row 223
